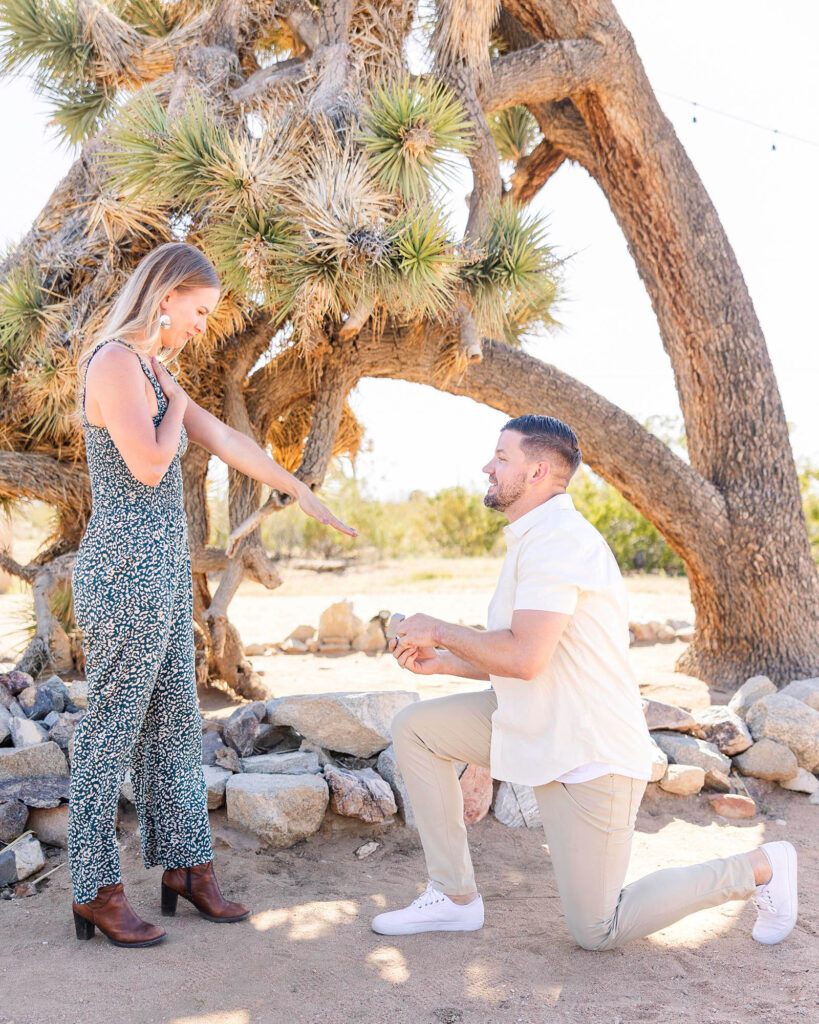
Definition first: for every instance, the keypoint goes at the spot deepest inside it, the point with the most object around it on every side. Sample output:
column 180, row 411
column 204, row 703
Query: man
column 563, row 715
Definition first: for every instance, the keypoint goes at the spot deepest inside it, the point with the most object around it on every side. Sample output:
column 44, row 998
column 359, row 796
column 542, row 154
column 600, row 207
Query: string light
column 742, row 120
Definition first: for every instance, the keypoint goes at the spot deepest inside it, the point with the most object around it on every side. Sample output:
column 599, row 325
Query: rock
column 339, row 624
column 516, row 806
column 718, row 780
column 767, row 759
column 78, row 693
column 5, row 723
column 366, row 849
column 303, row 633
column 65, row 727
column 227, row 759
column 733, row 805
column 333, row 646
column 359, row 794
column 476, row 787
column 683, row 779
column 242, row 727
column 724, row 728
column 387, row 768
column 802, row 782
column 21, row 860
column 294, row 646
column 813, row 798
column 211, row 744
column 279, row 739
column 371, row 639
column 62, row 696
column 15, row 682
column 41, row 791
column 679, row 624
column 645, row 632
column 29, row 762
column 126, row 790
column 50, row 824
column 13, row 818
column 667, row 716
column 25, row 733
column 280, row 809
column 352, row 723
column 10, row 704
column 685, row 633
column 806, row 690
column 216, row 781
column 789, row 721
column 296, row 762
column 36, row 701
column 680, row 749
column 50, row 720
column 24, row 889
column 255, row 650
column 659, row 763
column 749, row 693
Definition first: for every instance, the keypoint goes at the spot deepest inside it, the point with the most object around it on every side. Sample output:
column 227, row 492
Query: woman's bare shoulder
column 113, row 360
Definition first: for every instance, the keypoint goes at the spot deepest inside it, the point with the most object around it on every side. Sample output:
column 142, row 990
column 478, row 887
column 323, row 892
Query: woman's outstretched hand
column 311, row 506
column 170, row 388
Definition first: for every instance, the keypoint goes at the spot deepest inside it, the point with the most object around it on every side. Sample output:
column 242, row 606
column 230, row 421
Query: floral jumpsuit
column 133, row 601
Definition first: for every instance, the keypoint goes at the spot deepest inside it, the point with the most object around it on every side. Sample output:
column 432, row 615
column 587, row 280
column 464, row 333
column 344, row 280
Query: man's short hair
column 545, row 435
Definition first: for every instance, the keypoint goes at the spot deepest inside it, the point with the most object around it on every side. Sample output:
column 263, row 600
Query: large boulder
column 767, row 759
column 243, row 726
column 789, row 721
column 352, row 722
column 216, row 781
column 295, row 762
column 30, row 762
column 279, row 809
column 338, row 625
column 515, row 805
column 359, row 794
column 371, row 639
column 802, row 782
column 683, row 779
column 387, row 768
column 40, row 791
column 21, row 860
column 50, row 825
column 749, row 693
column 15, row 681
column 680, row 749
column 667, row 716
column 806, row 690
column 724, row 728
column 38, row 701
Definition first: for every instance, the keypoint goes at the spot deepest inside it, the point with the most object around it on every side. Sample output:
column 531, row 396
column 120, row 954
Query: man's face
column 509, row 471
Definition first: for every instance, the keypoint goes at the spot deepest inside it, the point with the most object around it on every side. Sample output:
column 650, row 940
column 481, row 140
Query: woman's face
column 188, row 309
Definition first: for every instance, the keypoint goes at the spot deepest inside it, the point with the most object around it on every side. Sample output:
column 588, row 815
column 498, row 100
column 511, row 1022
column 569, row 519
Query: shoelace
column 764, row 901
column 427, row 898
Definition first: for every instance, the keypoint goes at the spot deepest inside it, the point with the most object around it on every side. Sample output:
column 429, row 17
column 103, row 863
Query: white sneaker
column 431, row 912
column 776, row 902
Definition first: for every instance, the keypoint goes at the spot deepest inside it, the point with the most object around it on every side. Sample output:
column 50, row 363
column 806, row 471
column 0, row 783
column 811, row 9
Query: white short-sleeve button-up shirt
column 583, row 712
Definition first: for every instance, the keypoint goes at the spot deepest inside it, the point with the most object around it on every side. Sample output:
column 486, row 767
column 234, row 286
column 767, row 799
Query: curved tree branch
column 549, row 70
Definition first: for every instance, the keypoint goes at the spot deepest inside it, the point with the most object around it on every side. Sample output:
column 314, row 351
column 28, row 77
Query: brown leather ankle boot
column 111, row 912
column 198, row 885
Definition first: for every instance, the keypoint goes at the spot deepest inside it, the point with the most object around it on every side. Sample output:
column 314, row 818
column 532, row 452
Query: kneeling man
column 563, row 715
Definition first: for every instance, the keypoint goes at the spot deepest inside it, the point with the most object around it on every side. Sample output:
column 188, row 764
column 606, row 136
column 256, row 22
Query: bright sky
column 736, row 56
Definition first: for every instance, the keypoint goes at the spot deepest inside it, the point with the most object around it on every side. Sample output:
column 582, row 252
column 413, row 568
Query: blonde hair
column 134, row 314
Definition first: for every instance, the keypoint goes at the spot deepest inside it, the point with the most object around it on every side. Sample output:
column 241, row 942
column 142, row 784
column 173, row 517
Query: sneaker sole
column 791, row 867
column 441, row 927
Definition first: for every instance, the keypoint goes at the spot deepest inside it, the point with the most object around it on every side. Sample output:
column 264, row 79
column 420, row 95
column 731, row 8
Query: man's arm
column 520, row 652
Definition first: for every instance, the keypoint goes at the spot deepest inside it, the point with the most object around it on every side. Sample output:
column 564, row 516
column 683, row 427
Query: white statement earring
column 164, row 321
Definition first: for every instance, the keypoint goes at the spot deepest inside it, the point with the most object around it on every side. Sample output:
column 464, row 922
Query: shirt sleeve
column 547, row 580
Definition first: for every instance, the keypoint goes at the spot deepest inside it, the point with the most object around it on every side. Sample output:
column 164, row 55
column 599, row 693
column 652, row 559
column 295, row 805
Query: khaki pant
column 588, row 826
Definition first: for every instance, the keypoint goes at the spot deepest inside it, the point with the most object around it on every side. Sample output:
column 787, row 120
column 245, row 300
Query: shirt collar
column 538, row 514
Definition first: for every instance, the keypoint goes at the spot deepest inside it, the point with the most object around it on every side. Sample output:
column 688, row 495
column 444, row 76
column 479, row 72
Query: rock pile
column 279, row 766
column 339, row 631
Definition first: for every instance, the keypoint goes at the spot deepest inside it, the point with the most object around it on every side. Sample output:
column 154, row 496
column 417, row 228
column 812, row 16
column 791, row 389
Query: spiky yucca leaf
column 44, row 37
column 25, row 314
column 79, row 111
column 515, row 132
column 424, row 264
column 513, row 281
column 410, row 131
column 48, row 386
column 156, row 17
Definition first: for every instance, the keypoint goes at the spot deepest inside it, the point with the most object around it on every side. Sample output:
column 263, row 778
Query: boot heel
column 85, row 929
column 169, row 898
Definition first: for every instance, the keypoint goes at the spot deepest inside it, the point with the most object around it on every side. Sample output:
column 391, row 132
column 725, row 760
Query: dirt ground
column 307, row 954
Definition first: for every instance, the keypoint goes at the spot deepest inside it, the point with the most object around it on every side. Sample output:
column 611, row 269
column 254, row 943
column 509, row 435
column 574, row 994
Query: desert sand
column 307, row 954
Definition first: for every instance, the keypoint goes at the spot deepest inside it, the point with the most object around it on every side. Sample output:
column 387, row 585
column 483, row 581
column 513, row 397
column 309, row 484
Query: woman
column 133, row 600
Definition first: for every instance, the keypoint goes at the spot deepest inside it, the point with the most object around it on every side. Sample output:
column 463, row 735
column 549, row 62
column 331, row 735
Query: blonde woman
column 133, row 600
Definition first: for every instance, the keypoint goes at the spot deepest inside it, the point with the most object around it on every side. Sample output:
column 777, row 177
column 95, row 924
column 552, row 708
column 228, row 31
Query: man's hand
column 418, row 631
column 423, row 661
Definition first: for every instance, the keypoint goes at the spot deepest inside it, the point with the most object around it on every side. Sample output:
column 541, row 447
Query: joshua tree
column 291, row 141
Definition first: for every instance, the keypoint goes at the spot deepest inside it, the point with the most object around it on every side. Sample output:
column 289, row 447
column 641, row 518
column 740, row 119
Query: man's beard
column 505, row 495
